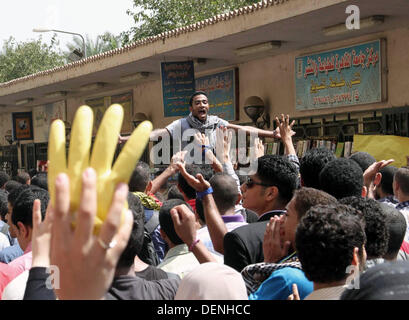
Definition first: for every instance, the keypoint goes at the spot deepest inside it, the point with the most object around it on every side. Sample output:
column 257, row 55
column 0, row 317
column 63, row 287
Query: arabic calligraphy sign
column 220, row 89
column 342, row 77
column 178, row 84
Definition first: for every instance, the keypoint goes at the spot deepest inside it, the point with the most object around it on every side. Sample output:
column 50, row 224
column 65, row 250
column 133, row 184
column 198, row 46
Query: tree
column 153, row 17
column 102, row 43
column 19, row 59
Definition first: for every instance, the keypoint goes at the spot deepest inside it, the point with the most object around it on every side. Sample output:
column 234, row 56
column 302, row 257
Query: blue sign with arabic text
column 178, row 85
column 342, row 77
column 221, row 91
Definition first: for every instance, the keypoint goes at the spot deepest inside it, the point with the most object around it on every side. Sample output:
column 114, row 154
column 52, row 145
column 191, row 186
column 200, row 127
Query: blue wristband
column 200, row 195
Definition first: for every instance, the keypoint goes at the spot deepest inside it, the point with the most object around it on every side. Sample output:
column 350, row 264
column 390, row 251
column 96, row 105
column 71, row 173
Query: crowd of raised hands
column 84, row 256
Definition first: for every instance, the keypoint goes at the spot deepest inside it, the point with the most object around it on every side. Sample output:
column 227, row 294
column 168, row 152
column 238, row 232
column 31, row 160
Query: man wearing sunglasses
column 267, row 193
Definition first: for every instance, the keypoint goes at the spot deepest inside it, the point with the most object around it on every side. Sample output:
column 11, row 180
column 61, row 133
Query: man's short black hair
column 174, row 193
column 396, row 224
column 342, row 178
column 13, row 195
column 197, row 93
column 3, row 204
column 22, row 177
column 376, row 230
column 386, row 183
column 140, row 177
column 305, row 198
column 4, row 177
column 312, row 163
column 278, row 171
column 363, row 159
column 200, row 210
column 402, row 177
column 225, row 192
column 40, row 180
column 135, row 242
column 193, row 169
column 166, row 222
column 325, row 240
column 23, row 206
column 11, row 185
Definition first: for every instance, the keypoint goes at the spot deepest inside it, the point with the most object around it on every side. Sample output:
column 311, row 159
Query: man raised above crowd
column 200, row 120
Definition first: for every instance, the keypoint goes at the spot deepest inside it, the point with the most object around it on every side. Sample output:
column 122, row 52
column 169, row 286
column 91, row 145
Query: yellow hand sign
column 101, row 158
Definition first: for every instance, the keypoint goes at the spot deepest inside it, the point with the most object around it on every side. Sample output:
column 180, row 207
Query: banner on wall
column 178, row 85
column 22, row 125
column 383, row 147
column 221, row 91
column 342, row 77
column 43, row 116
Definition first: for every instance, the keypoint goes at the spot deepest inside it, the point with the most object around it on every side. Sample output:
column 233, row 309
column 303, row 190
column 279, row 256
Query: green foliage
column 23, row 58
column 153, row 17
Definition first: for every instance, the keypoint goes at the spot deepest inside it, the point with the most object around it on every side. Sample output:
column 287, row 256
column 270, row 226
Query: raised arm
column 185, row 227
column 168, row 172
column 203, row 141
column 215, row 224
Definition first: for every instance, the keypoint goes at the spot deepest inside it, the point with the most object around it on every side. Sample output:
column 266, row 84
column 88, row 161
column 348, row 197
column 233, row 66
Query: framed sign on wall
column 341, row 77
column 22, row 125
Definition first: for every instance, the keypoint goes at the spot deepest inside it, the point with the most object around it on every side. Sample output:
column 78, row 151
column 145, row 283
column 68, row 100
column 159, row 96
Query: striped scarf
column 255, row 274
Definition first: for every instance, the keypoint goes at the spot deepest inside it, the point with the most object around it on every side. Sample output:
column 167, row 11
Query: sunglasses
column 250, row 183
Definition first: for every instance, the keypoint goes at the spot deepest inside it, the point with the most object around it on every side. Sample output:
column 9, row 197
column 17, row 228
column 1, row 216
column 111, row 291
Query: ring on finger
column 105, row 246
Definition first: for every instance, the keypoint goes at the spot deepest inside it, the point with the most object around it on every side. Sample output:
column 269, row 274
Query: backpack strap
column 153, row 222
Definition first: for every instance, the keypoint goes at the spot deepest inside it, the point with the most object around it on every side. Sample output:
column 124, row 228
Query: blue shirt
column 278, row 286
column 10, row 253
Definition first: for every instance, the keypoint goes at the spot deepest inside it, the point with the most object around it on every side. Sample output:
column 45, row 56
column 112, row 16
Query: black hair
column 305, row 198
column 386, row 183
column 363, row 159
column 197, row 93
column 40, row 180
column 342, row 178
column 225, row 192
column 402, row 177
column 23, row 206
column 200, row 210
column 278, row 171
column 396, row 224
column 385, row 281
column 140, row 177
column 174, row 193
column 166, row 222
column 3, row 204
column 12, row 196
column 325, row 240
column 4, row 177
column 22, row 177
column 192, row 169
column 376, row 230
column 12, row 185
column 135, row 242
column 32, row 172
column 312, row 163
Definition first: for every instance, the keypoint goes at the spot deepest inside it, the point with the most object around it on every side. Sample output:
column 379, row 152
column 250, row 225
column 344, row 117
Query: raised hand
column 87, row 263
column 273, row 247
column 101, row 157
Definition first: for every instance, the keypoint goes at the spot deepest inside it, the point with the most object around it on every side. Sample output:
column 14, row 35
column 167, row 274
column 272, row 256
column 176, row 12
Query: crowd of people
column 315, row 228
